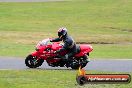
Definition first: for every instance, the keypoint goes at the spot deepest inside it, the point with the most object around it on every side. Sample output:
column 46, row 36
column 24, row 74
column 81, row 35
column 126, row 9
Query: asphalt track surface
column 118, row 65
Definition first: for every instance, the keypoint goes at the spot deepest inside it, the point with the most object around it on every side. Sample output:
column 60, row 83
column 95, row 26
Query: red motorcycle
column 45, row 50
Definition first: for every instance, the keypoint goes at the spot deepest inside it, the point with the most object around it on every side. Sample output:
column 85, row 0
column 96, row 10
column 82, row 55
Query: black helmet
column 62, row 32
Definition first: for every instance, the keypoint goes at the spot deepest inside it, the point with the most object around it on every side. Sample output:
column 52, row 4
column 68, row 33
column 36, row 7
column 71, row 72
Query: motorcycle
column 45, row 51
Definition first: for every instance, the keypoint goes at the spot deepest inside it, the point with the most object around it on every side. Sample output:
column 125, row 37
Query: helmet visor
column 59, row 34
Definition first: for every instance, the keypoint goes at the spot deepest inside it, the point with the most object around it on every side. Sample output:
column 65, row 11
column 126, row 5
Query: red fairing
column 46, row 50
column 56, row 46
column 35, row 53
column 39, row 51
column 86, row 48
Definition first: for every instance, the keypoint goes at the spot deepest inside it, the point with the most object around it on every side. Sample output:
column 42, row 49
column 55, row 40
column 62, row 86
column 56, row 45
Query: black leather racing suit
column 69, row 45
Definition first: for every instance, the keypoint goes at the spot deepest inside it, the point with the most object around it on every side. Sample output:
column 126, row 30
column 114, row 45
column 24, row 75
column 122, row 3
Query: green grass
column 38, row 78
column 101, row 51
column 112, row 51
column 22, row 25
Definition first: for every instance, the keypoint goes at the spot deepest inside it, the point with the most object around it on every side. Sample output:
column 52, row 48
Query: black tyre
column 75, row 64
column 33, row 62
column 75, row 67
column 81, row 62
column 84, row 61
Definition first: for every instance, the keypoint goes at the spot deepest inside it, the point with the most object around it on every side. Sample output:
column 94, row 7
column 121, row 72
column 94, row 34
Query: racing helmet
column 62, row 32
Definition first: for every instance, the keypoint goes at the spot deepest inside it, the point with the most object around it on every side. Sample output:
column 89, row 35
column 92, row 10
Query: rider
column 69, row 43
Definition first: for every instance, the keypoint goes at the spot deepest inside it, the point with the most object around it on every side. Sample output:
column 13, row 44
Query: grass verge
column 22, row 25
column 38, row 78
column 104, row 51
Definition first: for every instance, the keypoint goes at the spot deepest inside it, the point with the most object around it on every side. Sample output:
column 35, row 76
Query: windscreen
column 44, row 42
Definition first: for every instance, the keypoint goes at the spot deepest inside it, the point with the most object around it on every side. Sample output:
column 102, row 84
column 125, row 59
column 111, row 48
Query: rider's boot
column 66, row 60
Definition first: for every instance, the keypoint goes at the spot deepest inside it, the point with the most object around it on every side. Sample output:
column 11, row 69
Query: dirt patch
column 125, row 30
column 94, row 43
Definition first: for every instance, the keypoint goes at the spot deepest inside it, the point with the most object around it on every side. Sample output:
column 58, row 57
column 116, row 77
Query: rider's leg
column 68, row 55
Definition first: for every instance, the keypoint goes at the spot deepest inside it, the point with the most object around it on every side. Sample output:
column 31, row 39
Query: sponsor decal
column 83, row 78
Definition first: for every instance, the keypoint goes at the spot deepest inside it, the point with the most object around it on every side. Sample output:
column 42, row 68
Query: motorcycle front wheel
column 33, row 62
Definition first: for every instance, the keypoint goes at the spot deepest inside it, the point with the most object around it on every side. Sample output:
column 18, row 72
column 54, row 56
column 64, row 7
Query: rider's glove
column 51, row 40
column 57, row 51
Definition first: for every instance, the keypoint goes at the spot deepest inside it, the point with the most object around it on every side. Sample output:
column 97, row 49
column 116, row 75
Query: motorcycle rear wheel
column 82, row 64
column 32, row 62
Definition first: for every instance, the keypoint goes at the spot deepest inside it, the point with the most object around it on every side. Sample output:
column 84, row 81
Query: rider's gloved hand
column 57, row 51
column 51, row 40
